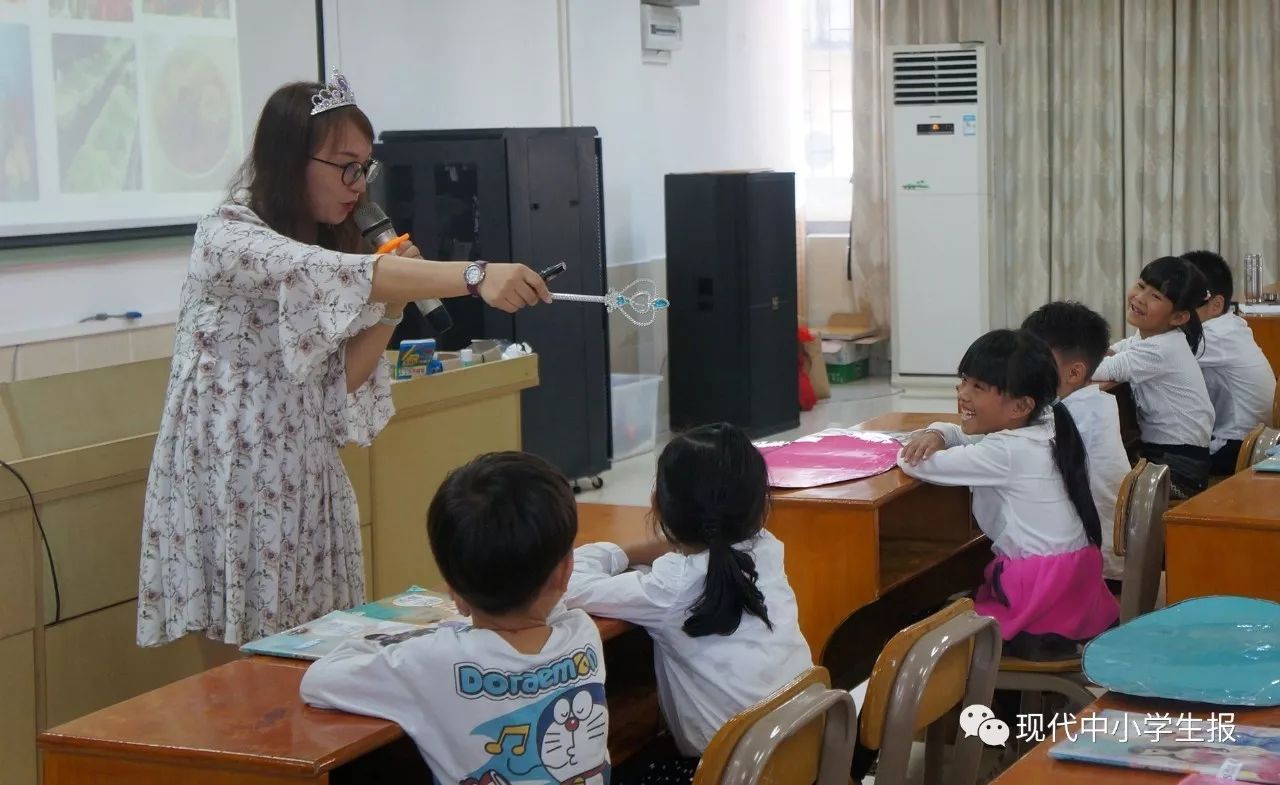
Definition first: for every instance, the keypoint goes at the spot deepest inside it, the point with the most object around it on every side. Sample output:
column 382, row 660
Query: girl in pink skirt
column 1018, row 449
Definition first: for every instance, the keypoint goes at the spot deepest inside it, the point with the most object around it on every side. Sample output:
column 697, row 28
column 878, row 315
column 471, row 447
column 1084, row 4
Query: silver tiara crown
column 333, row 95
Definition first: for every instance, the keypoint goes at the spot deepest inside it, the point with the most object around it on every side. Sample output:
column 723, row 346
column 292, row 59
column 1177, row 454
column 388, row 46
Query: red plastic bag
column 808, row 398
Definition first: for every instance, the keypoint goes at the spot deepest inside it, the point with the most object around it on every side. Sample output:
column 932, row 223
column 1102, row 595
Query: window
column 828, row 111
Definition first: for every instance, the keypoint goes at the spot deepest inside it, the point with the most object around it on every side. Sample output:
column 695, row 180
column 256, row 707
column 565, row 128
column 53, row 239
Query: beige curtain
column 876, row 24
column 1132, row 130
column 1201, row 128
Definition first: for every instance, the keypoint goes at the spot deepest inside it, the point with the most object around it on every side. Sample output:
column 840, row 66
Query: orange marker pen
column 391, row 245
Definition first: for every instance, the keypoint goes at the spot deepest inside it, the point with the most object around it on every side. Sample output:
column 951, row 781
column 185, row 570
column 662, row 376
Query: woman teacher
column 250, row 524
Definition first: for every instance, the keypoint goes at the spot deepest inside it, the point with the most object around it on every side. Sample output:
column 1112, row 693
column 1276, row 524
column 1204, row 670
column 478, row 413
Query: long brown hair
column 272, row 179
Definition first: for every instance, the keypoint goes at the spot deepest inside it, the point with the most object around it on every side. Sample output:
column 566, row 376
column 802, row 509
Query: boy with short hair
column 519, row 695
column 1080, row 338
column 1236, row 372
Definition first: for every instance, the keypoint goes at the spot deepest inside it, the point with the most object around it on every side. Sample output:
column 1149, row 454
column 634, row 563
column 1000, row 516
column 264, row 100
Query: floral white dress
column 250, row 525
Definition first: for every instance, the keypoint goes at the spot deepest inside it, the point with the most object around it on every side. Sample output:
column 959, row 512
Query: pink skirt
column 1062, row 594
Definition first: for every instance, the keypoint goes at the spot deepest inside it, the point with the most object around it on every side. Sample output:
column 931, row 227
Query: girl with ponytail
column 716, row 600
column 1018, row 448
column 1175, row 412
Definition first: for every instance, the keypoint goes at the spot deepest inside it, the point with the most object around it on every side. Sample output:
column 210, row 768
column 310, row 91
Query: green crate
column 848, row 372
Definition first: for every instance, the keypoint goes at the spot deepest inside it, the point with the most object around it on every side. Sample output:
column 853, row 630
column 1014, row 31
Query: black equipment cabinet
column 531, row 195
column 731, row 276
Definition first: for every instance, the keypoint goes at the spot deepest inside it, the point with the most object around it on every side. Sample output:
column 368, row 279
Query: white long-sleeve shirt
column 703, row 681
column 1097, row 418
column 1238, row 377
column 1168, row 388
column 1019, row 498
column 476, row 706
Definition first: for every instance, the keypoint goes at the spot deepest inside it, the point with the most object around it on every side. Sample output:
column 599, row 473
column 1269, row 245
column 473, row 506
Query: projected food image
column 208, row 9
column 193, row 113
column 95, row 86
column 17, row 117
column 105, row 10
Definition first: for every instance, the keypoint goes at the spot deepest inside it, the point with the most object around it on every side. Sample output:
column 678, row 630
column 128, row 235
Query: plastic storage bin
column 635, row 413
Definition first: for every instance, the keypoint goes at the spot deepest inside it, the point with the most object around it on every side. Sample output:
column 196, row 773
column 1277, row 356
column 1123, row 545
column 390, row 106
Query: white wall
column 418, row 64
column 724, row 102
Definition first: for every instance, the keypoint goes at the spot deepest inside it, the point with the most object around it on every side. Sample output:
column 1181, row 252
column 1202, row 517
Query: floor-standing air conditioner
column 941, row 121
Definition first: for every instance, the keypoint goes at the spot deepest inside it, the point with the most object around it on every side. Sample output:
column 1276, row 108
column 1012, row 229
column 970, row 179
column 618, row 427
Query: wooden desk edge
column 383, row 733
column 794, row 495
column 1203, row 522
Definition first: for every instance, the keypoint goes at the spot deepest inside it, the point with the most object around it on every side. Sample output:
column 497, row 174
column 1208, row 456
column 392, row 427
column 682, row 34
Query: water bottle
column 1252, row 278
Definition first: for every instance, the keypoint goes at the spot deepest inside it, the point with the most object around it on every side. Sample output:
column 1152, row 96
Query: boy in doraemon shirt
column 518, row 697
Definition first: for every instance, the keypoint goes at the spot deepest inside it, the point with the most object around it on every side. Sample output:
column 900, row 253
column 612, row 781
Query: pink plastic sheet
column 827, row 457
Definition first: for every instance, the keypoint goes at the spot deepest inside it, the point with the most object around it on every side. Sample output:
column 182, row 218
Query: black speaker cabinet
column 530, row 195
column 731, row 278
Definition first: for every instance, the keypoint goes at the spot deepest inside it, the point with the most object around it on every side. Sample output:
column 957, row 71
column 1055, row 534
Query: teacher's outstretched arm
column 406, row 276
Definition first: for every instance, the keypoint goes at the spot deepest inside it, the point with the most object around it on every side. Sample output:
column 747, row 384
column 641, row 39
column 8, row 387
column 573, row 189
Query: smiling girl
column 1019, row 450
column 1175, row 413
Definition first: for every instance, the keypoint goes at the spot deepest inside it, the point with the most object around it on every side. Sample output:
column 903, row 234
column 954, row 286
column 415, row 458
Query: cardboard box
column 846, row 327
column 849, row 360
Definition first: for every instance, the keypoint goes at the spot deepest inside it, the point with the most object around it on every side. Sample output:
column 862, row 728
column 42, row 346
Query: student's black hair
column 1017, row 363
column 1216, row 272
column 713, row 492
column 1072, row 329
column 1186, row 288
column 499, row 526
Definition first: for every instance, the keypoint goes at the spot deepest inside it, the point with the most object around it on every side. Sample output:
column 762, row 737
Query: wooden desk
column 1225, row 540
column 882, row 546
column 868, row 557
column 852, row 543
column 245, row 723
column 848, row 545
column 1266, row 332
column 1037, row 768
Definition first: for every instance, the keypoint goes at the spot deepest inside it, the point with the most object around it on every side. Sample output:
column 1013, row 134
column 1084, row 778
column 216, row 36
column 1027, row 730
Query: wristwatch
column 474, row 276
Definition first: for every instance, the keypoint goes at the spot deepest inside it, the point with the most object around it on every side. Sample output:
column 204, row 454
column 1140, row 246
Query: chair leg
column 935, row 743
column 1076, row 694
column 1031, row 703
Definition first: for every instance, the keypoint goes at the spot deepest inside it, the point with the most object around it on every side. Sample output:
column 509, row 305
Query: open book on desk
column 388, row 621
column 1181, row 744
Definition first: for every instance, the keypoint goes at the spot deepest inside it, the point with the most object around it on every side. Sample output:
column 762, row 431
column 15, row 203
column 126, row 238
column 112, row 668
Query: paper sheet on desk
column 830, row 456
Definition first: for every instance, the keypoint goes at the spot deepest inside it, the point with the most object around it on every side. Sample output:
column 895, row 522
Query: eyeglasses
column 352, row 172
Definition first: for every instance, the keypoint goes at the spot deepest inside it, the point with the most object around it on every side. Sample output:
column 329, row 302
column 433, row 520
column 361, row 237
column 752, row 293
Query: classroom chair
column 1254, row 447
column 803, row 733
column 926, row 672
column 1139, row 537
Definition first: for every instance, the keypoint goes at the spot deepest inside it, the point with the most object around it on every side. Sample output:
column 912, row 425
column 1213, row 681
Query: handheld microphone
column 376, row 228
